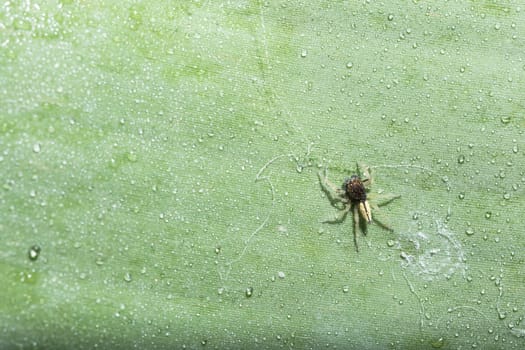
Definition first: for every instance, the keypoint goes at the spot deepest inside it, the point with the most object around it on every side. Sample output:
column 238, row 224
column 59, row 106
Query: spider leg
column 383, row 225
column 383, row 198
column 364, row 172
column 356, row 226
column 381, row 222
column 340, row 218
column 335, row 194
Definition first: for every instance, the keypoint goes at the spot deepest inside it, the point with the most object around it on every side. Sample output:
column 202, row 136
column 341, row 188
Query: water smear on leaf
column 432, row 250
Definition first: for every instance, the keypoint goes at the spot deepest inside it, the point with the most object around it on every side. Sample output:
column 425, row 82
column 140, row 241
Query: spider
column 353, row 196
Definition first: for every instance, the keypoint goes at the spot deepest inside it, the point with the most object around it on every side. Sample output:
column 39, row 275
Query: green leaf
column 159, row 174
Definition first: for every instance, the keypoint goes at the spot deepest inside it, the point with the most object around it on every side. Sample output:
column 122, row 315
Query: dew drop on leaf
column 34, row 252
column 36, row 148
column 505, row 119
column 127, row 277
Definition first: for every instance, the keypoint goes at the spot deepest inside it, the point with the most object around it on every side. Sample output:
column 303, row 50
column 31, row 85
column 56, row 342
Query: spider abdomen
column 355, row 189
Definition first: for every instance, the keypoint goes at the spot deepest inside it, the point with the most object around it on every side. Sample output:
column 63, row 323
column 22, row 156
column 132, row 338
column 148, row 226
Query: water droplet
column 304, row 53
column 469, row 231
column 217, row 250
column 248, row 292
column 497, row 26
column 505, row 119
column 462, row 69
column 282, row 229
column 390, row 17
column 461, row 195
column 488, row 214
column 34, row 252
column 461, row 159
column 132, row 156
column 438, row 343
column 127, row 277
column 346, row 289
column 36, row 148
column 390, row 243
column 506, row 196
column 444, row 179
column 515, row 149
column 281, row 274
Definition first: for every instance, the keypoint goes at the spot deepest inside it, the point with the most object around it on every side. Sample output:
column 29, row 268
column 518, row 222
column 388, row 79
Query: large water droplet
column 127, row 277
column 34, row 252
column 36, row 148
column 505, row 119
